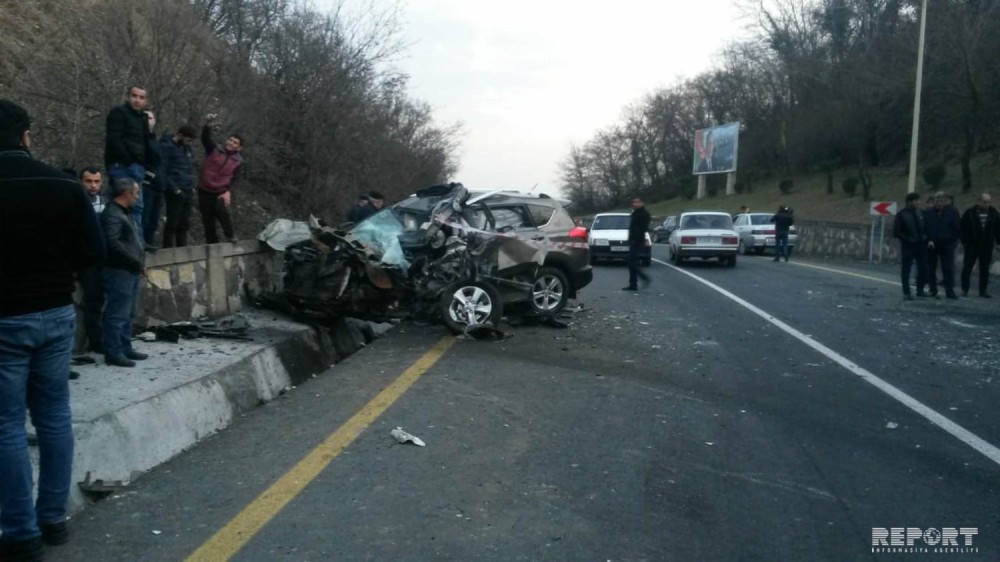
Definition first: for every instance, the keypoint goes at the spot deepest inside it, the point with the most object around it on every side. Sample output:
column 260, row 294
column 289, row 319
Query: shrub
column 934, row 176
column 786, row 185
column 849, row 185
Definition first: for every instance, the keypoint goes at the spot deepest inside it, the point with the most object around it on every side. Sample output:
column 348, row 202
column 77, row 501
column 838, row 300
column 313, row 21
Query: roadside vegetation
column 312, row 93
column 823, row 90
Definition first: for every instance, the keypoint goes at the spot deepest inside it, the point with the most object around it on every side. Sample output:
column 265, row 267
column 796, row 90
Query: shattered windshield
column 381, row 231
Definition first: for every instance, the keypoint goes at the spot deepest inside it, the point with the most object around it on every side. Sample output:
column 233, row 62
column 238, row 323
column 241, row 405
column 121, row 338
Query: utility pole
column 911, row 186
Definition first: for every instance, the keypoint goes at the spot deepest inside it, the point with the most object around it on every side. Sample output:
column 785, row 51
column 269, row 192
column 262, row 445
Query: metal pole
column 871, row 244
column 881, row 236
column 911, row 186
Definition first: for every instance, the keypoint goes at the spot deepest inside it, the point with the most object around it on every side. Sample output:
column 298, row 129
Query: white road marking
column 965, row 436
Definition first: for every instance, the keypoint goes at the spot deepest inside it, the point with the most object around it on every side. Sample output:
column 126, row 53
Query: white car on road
column 706, row 235
column 756, row 232
column 608, row 239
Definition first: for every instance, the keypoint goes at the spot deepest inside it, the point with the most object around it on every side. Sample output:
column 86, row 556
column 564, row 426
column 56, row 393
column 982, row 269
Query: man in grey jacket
column 124, row 265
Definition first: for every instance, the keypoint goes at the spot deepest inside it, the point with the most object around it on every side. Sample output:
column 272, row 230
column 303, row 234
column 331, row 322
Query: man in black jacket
column 637, row 227
column 979, row 231
column 47, row 231
column 783, row 221
column 909, row 228
column 177, row 178
column 125, row 263
column 128, row 147
column 942, row 233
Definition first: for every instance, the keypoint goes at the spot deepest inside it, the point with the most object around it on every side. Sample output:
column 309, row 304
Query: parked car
column 706, row 235
column 608, row 239
column 444, row 253
column 756, row 233
column 662, row 231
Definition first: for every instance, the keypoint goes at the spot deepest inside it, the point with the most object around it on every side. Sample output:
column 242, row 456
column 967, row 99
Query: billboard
column 715, row 149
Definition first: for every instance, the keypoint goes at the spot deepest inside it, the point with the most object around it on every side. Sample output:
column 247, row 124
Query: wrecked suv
column 443, row 254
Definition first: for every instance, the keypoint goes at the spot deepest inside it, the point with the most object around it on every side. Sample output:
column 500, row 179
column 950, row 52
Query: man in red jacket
column 219, row 174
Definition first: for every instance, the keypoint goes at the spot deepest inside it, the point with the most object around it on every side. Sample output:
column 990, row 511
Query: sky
column 528, row 78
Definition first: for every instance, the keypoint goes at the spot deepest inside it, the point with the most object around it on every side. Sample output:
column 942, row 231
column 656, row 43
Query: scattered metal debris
column 404, row 437
column 235, row 327
column 99, row 487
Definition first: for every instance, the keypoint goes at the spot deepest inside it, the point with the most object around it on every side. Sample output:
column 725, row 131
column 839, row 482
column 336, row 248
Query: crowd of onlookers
column 929, row 236
column 93, row 227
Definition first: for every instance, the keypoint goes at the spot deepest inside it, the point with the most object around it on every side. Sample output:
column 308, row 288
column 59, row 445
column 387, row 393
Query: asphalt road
column 674, row 423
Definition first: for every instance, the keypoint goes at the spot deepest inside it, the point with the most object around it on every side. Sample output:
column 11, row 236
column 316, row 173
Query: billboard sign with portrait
column 715, row 149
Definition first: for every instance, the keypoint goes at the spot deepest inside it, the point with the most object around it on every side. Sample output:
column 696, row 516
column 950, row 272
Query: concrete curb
column 125, row 442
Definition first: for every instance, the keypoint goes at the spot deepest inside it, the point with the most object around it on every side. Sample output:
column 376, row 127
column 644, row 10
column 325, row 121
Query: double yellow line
column 248, row 522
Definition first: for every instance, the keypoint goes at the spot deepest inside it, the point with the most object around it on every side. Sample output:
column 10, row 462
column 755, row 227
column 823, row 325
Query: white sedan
column 706, row 235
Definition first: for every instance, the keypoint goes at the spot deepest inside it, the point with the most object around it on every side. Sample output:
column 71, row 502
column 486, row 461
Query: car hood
column 706, row 232
column 609, row 234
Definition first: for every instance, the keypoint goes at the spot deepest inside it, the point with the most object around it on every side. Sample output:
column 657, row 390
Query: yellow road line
column 849, row 273
column 248, row 522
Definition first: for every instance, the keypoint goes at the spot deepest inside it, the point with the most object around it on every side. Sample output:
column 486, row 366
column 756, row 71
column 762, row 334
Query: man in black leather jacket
column 909, row 228
column 124, row 265
column 637, row 227
column 942, row 237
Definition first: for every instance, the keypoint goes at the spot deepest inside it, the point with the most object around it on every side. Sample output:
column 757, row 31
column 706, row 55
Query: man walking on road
column 979, row 231
column 48, row 230
column 637, row 227
column 219, row 175
column 783, row 221
column 909, row 228
column 942, row 233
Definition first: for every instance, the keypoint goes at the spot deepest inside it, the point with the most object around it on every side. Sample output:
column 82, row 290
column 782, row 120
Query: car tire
column 549, row 292
column 744, row 248
column 456, row 298
column 676, row 256
column 759, row 251
column 731, row 261
column 593, row 258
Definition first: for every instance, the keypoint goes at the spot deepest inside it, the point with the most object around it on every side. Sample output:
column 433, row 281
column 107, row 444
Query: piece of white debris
column 146, row 336
column 891, row 425
column 709, row 443
column 155, row 532
column 404, row 437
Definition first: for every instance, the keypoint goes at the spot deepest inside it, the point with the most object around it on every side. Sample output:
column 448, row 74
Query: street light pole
column 912, row 184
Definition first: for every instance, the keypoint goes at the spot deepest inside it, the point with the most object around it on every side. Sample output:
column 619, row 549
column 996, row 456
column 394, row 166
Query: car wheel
column 466, row 303
column 731, row 261
column 744, row 249
column 549, row 292
column 676, row 255
column 758, row 251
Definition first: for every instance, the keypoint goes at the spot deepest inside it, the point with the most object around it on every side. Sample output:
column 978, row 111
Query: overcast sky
column 526, row 78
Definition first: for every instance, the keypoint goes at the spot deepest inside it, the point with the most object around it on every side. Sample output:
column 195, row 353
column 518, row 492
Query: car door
column 521, row 244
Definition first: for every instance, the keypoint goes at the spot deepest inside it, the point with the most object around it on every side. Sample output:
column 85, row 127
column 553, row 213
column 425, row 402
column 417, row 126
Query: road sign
column 882, row 208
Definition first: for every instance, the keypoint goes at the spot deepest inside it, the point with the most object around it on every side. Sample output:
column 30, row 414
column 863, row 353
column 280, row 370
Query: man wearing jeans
column 124, row 265
column 37, row 324
column 128, row 147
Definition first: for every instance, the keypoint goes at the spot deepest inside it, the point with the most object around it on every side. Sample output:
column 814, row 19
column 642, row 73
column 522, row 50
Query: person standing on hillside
column 48, row 230
column 942, row 233
column 178, row 181
column 125, row 263
column 637, row 227
column 219, row 175
column 783, row 221
column 909, row 228
column 128, row 150
column 979, row 231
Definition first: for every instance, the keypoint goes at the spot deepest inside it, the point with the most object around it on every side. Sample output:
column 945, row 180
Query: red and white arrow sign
column 882, row 208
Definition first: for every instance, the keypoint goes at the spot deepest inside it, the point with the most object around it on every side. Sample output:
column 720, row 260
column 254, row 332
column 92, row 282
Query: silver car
column 756, row 233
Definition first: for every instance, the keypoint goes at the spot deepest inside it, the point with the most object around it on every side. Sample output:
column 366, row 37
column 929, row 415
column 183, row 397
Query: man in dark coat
column 979, row 231
column 48, row 230
column 909, row 228
column 637, row 227
column 128, row 145
column 942, row 234
column 361, row 210
column 177, row 178
column 783, row 221
column 125, row 263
